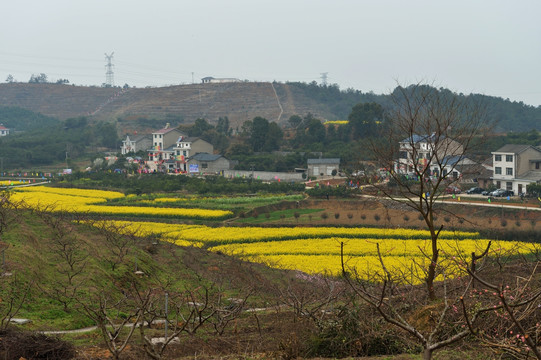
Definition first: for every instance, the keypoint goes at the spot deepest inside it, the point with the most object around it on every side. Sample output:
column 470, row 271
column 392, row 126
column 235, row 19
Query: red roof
column 2, row 127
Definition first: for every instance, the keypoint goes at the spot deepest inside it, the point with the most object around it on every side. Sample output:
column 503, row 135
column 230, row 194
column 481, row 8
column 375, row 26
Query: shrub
column 282, row 216
column 420, row 217
column 406, row 218
column 377, row 217
column 517, row 223
column 350, row 216
column 503, row 223
column 363, row 216
column 267, row 215
column 336, row 216
column 324, row 216
column 296, row 215
column 446, row 219
column 255, row 214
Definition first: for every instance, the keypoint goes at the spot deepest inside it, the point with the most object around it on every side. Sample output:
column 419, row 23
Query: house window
column 498, row 170
column 403, row 155
column 184, row 153
column 498, row 184
column 509, row 158
column 497, row 158
column 508, row 185
column 204, row 165
column 536, row 165
column 508, row 171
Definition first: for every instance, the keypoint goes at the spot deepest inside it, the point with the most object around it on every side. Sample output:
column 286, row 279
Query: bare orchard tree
column 425, row 139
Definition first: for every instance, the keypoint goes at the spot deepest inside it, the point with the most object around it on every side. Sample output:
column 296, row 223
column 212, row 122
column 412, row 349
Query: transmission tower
column 109, row 79
column 324, row 78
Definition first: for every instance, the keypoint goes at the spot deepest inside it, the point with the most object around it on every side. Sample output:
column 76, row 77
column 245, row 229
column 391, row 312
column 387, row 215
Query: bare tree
column 427, row 135
column 70, row 255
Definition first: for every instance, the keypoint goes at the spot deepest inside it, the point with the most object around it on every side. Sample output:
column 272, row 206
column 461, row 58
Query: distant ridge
column 239, row 101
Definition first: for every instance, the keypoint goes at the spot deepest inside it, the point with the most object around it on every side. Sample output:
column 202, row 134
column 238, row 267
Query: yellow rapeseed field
column 93, row 202
column 316, row 250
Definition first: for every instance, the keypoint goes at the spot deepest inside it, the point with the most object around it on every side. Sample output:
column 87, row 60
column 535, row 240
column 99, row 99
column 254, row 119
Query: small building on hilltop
column 212, row 80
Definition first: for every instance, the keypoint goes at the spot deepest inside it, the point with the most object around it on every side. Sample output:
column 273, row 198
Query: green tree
column 364, row 119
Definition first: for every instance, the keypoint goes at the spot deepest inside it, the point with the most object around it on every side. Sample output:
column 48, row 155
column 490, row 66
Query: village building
column 135, row 143
column 323, row 167
column 204, row 163
column 515, row 166
column 4, row 131
column 418, row 151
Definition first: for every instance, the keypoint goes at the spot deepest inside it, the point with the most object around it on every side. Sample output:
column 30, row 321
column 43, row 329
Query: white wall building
column 515, row 166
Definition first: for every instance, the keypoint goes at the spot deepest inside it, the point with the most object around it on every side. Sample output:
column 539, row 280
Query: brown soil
column 376, row 212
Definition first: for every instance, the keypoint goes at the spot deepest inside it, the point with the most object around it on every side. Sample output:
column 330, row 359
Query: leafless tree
column 450, row 129
column 70, row 255
column 120, row 240
column 181, row 311
column 394, row 300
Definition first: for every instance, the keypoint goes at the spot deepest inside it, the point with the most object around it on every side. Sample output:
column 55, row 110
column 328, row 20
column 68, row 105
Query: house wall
column 201, row 146
column 210, row 167
column 325, row 169
column 264, row 175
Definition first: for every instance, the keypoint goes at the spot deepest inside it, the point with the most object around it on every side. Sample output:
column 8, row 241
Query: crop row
column 228, row 235
column 94, row 202
column 318, row 249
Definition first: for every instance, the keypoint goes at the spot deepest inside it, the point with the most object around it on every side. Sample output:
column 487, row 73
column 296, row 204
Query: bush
column 406, row 218
column 350, row 216
column 17, row 344
column 336, row 216
column 324, row 216
column 446, row 219
column 503, row 223
column 377, row 217
column 363, row 216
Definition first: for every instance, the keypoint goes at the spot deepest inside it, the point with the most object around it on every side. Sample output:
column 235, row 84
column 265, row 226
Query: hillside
column 238, row 101
column 143, row 108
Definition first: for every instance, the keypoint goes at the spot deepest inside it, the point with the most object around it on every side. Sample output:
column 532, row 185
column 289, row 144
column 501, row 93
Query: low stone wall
column 264, row 175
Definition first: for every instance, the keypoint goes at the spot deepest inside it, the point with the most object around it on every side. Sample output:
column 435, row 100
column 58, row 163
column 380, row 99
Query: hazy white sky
column 482, row 46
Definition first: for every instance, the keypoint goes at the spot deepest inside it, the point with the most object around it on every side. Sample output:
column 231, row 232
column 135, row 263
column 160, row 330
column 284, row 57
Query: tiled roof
column 323, row 161
column 515, row 148
column 205, row 157
column 164, row 130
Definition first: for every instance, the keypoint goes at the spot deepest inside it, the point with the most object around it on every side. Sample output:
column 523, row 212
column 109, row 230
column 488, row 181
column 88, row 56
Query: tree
column 38, row 79
column 420, row 111
column 10, row 79
column 365, row 118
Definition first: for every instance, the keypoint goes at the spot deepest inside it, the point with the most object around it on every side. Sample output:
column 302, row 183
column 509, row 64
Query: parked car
column 486, row 193
column 502, row 193
column 452, row 190
column 475, row 190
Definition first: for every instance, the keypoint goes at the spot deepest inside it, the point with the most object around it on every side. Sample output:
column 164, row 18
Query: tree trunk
column 427, row 354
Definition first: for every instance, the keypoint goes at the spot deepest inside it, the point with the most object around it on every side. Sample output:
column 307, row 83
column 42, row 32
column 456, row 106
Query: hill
column 138, row 108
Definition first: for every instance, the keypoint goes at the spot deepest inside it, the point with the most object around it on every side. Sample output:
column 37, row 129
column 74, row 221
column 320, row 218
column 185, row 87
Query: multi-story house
column 135, row 143
column 187, row 147
column 4, row 131
column 515, row 166
column 420, row 151
column 163, row 146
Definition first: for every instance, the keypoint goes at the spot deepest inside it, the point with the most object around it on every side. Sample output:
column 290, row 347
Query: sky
column 490, row 47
